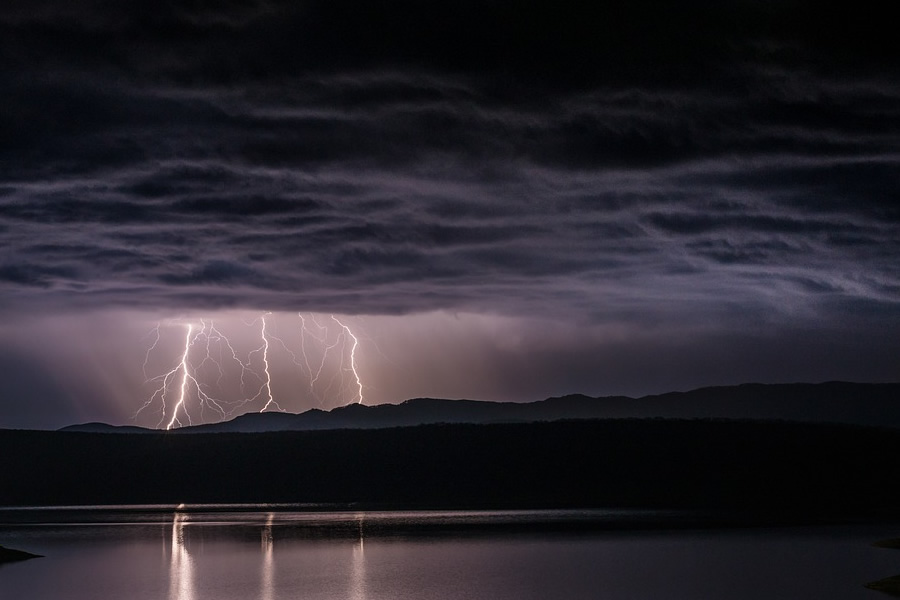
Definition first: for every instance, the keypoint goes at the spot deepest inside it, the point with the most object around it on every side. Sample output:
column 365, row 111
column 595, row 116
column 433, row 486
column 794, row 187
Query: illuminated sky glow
column 501, row 201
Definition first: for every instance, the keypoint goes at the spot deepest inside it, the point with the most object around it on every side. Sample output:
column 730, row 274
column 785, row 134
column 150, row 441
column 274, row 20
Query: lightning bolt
column 315, row 379
column 184, row 381
column 352, row 358
column 245, row 367
column 303, row 344
column 322, row 338
column 149, row 350
column 210, row 377
column 188, row 381
column 265, row 357
column 165, row 380
column 211, row 334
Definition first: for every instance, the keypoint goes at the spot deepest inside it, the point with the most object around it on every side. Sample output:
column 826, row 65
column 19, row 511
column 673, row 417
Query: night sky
column 502, row 200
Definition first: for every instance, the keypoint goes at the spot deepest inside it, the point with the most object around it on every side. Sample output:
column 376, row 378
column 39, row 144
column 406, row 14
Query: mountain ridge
column 873, row 404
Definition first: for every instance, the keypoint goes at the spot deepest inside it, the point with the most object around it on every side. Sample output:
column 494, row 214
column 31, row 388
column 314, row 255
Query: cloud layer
column 688, row 169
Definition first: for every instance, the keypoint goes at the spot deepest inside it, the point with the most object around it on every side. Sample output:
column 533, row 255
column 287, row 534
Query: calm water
column 222, row 554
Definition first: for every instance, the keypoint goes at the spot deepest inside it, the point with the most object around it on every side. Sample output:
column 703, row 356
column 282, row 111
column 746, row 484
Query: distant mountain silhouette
column 95, row 427
column 876, row 404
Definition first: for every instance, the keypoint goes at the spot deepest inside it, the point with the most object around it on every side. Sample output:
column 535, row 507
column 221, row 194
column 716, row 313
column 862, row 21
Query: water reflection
column 225, row 555
column 267, row 591
column 358, row 565
column 181, row 567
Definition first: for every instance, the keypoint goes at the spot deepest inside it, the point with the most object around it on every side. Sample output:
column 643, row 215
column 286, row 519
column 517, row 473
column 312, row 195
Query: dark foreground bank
column 12, row 555
column 749, row 466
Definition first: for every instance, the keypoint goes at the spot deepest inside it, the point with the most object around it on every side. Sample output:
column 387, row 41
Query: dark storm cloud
column 622, row 161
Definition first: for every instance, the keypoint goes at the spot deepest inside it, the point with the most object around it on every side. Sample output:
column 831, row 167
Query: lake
column 275, row 553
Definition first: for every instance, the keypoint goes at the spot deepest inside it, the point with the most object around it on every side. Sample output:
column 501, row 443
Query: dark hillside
column 627, row 463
